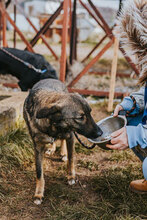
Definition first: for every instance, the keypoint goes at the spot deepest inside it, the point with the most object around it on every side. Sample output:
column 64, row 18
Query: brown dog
column 52, row 113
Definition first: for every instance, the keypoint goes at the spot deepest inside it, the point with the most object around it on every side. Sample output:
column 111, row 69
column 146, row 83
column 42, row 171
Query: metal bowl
column 108, row 126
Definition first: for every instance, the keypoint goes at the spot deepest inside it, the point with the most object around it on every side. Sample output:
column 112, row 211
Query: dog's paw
column 64, row 158
column 49, row 152
column 71, row 182
column 38, row 201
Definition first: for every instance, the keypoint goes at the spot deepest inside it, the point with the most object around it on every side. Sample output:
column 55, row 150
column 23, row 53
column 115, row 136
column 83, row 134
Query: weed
column 101, row 194
column 80, row 149
column 16, row 149
column 90, row 165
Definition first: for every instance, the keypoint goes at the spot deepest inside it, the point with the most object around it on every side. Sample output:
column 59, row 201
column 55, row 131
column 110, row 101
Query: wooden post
column 113, row 75
column 64, row 41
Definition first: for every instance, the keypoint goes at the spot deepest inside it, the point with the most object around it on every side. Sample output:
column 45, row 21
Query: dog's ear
column 45, row 112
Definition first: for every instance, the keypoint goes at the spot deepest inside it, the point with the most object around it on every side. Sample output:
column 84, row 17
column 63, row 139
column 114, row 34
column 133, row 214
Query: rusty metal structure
column 68, row 7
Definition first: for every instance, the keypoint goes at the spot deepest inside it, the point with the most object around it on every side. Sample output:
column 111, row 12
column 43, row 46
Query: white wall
column 40, row 7
column 23, row 24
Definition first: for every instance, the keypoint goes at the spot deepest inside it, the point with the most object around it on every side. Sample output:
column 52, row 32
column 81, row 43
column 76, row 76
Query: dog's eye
column 80, row 118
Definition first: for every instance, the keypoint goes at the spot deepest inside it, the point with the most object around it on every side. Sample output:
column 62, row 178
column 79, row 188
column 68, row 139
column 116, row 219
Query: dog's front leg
column 39, row 193
column 70, row 163
column 63, row 150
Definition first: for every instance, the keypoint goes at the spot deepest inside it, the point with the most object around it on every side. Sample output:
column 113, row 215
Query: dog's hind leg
column 70, row 164
column 39, row 193
column 50, row 149
column 63, row 150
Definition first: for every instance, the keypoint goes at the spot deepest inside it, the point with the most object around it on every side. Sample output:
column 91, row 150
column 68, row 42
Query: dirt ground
column 101, row 191
column 103, row 177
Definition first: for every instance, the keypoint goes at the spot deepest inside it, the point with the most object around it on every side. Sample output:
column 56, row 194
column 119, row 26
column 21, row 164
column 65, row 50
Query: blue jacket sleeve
column 127, row 102
column 137, row 135
column 127, row 105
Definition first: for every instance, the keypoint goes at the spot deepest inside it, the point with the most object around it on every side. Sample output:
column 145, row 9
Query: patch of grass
column 112, row 187
column 123, row 64
column 49, row 58
column 105, row 62
column 90, row 165
column 102, row 194
column 101, row 105
column 122, row 156
column 16, row 149
column 80, row 149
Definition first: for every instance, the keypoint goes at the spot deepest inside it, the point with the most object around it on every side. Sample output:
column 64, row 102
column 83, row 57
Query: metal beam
column 29, row 47
column 64, row 41
column 3, row 22
column 46, row 25
column 99, row 93
column 92, row 62
column 96, row 46
column 127, row 75
column 73, row 35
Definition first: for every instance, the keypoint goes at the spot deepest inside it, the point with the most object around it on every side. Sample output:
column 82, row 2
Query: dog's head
column 71, row 113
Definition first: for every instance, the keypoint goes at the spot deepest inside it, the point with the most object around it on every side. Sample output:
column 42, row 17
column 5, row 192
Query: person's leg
column 139, row 186
column 140, row 152
column 144, row 168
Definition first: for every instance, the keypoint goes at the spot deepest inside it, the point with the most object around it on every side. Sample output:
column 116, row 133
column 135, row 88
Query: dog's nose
column 97, row 132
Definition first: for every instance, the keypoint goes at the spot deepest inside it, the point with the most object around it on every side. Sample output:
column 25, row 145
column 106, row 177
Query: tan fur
column 39, row 193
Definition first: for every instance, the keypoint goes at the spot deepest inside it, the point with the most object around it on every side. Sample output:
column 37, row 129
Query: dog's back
column 50, row 85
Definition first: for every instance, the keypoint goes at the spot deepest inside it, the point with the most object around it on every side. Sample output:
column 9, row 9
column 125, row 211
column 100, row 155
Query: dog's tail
column 132, row 30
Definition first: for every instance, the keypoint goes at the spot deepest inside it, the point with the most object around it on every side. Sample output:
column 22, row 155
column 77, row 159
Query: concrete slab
column 11, row 110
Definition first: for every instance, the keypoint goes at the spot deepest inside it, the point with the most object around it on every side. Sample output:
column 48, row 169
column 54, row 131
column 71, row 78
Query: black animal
column 52, row 113
column 27, row 76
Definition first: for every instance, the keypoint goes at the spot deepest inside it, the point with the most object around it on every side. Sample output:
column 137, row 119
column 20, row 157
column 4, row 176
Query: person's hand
column 119, row 140
column 117, row 109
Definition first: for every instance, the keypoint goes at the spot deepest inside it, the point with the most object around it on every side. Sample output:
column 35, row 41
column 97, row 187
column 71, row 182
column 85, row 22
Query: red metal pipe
column 14, row 34
column 73, row 35
column 98, row 93
column 46, row 25
column 97, row 45
column 93, row 61
column 11, row 85
column 92, row 15
column 43, row 38
column 106, row 27
column 110, row 35
column 129, row 61
column 3, row 22
column 64, row 41
column 29, row 47
column 104, row 73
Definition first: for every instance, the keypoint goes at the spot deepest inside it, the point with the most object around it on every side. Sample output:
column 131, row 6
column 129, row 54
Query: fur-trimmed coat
column 132, row 30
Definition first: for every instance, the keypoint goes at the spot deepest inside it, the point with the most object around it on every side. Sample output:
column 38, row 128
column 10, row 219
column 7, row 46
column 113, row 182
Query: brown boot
column 139, row 186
